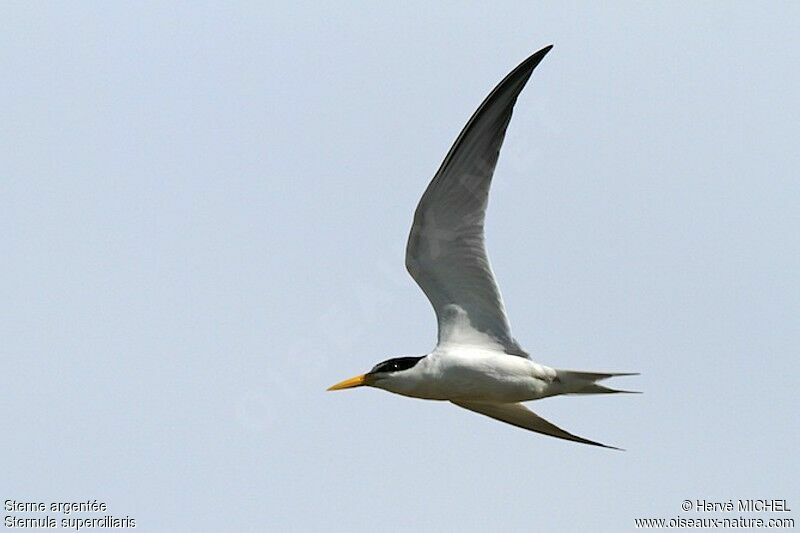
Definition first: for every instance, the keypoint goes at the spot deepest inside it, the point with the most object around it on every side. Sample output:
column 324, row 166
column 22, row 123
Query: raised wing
column 446, row 254
column 518, row 415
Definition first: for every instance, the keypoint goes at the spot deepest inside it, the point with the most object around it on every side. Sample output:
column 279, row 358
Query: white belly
column 467, row 373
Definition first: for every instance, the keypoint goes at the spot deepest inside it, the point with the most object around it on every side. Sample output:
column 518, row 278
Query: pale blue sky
column 204, row 213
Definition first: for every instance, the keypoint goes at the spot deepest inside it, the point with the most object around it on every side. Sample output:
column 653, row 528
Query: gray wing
column 518, row 415
column 446, row 254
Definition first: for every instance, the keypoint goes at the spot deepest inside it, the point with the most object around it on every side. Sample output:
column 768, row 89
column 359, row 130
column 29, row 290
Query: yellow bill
column 357, row 381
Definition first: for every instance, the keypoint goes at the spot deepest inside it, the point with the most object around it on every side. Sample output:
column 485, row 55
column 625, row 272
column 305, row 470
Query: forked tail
column 586, row 382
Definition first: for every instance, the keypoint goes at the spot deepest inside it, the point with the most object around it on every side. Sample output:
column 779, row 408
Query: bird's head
column 386, row 375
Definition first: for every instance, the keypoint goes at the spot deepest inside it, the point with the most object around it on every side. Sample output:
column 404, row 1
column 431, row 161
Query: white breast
column 458, row 372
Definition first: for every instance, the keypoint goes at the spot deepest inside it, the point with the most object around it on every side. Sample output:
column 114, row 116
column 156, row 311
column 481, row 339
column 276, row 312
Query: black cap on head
column 395, row 365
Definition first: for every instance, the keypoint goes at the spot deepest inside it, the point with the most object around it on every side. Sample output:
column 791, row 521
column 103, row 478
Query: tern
column 477, row 364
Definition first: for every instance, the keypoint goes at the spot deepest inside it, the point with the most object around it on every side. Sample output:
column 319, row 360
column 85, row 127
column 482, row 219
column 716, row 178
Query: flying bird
column 477, row 364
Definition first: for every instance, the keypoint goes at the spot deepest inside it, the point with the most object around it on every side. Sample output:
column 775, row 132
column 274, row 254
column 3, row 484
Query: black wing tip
column 541, row 53
column 598, row 444
column 526, row 67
